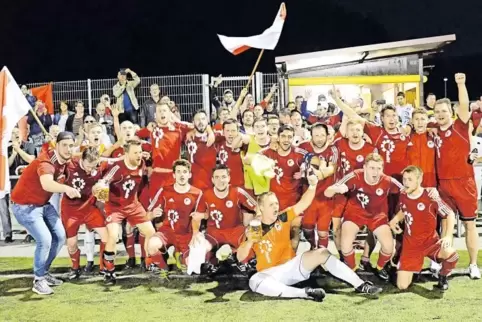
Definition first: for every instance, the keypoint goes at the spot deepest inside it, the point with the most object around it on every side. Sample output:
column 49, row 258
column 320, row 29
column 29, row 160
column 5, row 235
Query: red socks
column 350, row 259
column 383, row 259
column 449, row 264
column 75, row 257
column 156, row 259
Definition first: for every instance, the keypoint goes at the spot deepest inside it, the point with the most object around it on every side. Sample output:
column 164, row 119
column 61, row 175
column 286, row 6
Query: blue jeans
column 45, row 226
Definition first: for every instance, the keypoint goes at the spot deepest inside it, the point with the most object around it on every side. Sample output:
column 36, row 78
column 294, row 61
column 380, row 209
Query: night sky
column 56, row 40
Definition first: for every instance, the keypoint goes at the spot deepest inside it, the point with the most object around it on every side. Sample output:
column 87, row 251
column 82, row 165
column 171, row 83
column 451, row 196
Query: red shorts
column 72, row 219
column 319, row 214
column 179, row 241
column 411, row 259
column 461, row 195
column 231, row 236
column 339, row 204
column 361, row 218
column 134, row 214
column 159, row 180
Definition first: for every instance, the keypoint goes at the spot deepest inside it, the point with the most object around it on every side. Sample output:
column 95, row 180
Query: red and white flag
column 13, row 106
column 267, row 40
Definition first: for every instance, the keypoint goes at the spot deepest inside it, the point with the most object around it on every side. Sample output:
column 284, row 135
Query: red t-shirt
column 203, row 160
column 178, row 207
column 421, row 153
column 391, row 147
column 421, row 219
column 117, row 153
column 330, row 120
column 372, row 199
column 28, row 190
column 226, row 213
column 453, row 146
column 166, row 143
column 350, row 159
column 232, row 159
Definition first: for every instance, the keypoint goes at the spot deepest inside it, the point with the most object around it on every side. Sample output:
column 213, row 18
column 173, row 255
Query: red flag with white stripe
column 13, row 106
column 267, row 40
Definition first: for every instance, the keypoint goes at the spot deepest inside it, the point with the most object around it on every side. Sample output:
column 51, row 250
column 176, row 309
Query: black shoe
column 382, row 274
column 28, row 239
column 8, row 240
column 155, row 270
column 89, row 268
column 368, row 288
column 131, row 263
column 442, row 283
column 316, row 294
column 74, row 274
column 110, row 278
column 143, row 264
column 366, row 266
column 209, row 269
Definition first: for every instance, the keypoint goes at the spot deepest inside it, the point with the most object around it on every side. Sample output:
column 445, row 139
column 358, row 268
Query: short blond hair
column 419, row 110
column 373, row 157
column 354, row 122
column 413, row 169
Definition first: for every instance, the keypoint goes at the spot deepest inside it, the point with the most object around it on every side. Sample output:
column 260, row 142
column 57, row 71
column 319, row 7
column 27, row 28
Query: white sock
column 266, row 285
column 343, row 272
column 89, row 245
column 435, row 266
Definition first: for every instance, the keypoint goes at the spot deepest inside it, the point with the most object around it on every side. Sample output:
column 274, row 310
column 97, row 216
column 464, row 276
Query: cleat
column 89, row 268
column 316, row 294
column 171, row 259
column 53, row 281
column 143, row 264
column 209, row 269
column 74, row 274
column 368, row 288
column 102, row 272
column 366, row 266
column 474, row 272
column 41, row 287
column 382, row 274
column 442, row 284
column 131, row 263
column 28, row 239
column 154, row 270
column 8, row 240
column 110, row 278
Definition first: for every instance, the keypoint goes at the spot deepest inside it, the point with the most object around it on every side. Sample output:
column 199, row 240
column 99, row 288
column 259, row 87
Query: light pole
column 445, row 86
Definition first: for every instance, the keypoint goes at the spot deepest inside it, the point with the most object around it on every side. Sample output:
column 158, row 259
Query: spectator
column 148, row 109
column 126, row 98
column 175, row 110
column 107, row 121
column 74, row 122
column 61, row 118
column 430, row 105
column 105, row 100
column 36, row 133
column 30, row 98
column 404, row 110
column 285, row 115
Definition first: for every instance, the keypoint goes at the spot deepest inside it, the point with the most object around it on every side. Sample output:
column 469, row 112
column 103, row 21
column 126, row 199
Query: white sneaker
column 435, row 268
column 41, row 287
column 474, row 272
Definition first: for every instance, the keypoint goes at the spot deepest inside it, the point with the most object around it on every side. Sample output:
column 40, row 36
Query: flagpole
column 254, row 69
column 34, row 114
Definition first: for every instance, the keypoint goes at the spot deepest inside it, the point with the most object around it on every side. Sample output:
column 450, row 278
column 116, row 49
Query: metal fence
column 190, row 92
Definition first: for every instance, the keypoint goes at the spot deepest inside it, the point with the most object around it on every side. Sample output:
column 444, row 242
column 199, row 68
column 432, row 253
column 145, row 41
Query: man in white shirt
column 404, row 110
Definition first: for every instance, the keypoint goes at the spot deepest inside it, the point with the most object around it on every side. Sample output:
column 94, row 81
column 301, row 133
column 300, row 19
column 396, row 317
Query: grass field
column 137, row 298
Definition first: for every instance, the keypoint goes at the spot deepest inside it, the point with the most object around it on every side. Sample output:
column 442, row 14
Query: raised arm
column 464, row 102
column 347, row 110
column 308, row 196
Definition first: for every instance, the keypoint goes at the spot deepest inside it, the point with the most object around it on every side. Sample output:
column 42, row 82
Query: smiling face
column 286, row 139
column 319, row 136
column 442, row 113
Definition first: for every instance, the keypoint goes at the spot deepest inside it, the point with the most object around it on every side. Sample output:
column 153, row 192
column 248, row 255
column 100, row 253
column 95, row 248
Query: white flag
column 13, row 106
column 267, row 40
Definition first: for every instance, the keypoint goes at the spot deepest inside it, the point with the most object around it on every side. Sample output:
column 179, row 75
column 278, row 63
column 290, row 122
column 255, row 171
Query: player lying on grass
column 419, row 211
column 277, row 265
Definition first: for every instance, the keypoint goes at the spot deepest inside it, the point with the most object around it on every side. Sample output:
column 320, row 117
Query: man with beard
column 229, row 156
column 456, row 176
column 319, row 212
column 229, row 210
column 148, row 109
column 367, row 205
column 201, row 156
column 175, row 210
column 124, row 182
column 30, row 197
column 247, row 121
column 420, row 238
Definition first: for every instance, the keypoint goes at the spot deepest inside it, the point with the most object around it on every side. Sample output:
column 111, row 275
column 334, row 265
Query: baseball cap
column 122, row 71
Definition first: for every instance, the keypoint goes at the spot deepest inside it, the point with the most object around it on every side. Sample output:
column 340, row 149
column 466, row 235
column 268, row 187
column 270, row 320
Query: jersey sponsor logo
column 78, row 184
column 173, row 217
column 290, row 162
column 229, row 204
column 359, row 158
column 379, row 192
column 128, row 186
column 217, row 216
column 448, row 133
column 421, row 206
column 187, row 201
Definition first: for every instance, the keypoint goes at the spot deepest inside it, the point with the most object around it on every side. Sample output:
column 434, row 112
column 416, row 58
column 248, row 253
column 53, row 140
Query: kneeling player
column 367, row 205
column 420, row 238
column 278, row 266
column 82, row 174
column 229, row 209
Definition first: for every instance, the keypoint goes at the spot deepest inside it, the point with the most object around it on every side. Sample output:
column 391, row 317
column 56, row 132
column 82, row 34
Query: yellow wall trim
column 307, row 81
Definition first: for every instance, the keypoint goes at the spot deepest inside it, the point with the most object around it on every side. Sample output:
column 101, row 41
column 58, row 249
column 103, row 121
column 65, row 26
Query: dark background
column 55, row 40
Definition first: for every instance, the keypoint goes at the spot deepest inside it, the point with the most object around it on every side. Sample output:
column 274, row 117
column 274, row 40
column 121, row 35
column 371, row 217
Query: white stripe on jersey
column 443, row 208
column 300, row 150
column 346, row 178
column 108, row 177
column 397, row 183
column 53, row 158
column 154, row 200
column 334, row 157
column 198, row 200
column 248, row 196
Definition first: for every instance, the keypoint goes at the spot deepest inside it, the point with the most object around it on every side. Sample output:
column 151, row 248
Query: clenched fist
column 460, row 78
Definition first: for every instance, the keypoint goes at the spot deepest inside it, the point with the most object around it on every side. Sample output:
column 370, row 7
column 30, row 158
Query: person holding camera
column 125, row 95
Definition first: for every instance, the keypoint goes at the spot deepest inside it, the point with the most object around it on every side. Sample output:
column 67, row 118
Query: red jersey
column 28, row 190
column 453, row 147
column 286, row 166
column 177, row 207
column 421, row 218
column 218, row 128
column 351, row 159
column 203, row 160
column 421, row 152
column 329, row 155
column 226, row 212
column 117, row 153
column 329, row 120
column 371, row 198
column 391, row 147
column 166, row 143
column 77, row 177
column 47, row 146
column 124, row 184
column 232, row 159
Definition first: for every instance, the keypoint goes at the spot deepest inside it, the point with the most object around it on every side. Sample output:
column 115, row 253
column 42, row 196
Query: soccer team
column 395, row 180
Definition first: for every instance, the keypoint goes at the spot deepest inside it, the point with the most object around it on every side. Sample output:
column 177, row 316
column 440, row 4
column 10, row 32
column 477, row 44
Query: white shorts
column 289, row 273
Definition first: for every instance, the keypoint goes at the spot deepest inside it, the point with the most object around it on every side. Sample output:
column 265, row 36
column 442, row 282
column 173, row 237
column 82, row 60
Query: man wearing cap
column 30, row 205
column 125, row 95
